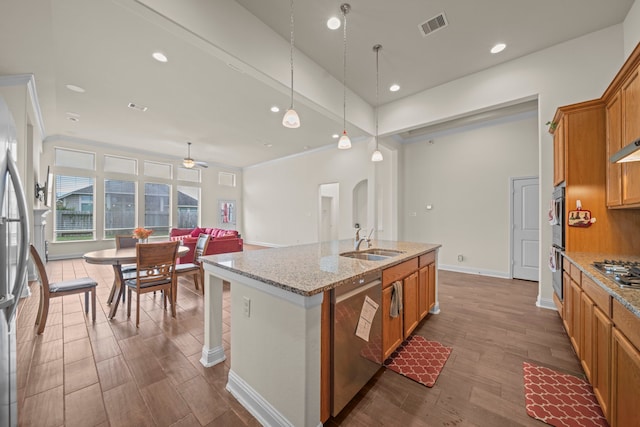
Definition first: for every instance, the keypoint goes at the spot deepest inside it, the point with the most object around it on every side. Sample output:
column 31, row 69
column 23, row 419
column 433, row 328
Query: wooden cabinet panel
column 587, row 307
column 559, row 149
column 601, row 372
column 575, row 317
column 630, row 97
column 399, row 272
column 614, row 143
column 567, row 315
column 428, row 258
column 432, row 286
column 423, row 292
column 627, row 322
column 599, row 296
column 410, row 304
column 391, row 326
column 625, row 382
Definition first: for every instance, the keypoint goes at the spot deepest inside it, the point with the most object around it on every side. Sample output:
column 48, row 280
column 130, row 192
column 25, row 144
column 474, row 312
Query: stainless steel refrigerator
column 14, row 247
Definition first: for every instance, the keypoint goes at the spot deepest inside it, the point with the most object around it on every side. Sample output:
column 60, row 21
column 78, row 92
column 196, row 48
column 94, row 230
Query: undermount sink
column 373, row 254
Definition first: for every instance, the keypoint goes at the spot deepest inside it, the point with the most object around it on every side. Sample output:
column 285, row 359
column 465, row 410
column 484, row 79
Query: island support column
column 212, row 350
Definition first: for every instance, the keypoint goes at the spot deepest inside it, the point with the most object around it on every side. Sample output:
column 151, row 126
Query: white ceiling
column 105, row 47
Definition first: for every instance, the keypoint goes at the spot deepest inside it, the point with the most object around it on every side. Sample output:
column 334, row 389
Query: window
column 227, row 179
column 188, row 198
column 74, row 208
column 192, row 175
column 75, row 159
column 119, row 207
column 157, row 170
column 157, row 208
column 120, row 164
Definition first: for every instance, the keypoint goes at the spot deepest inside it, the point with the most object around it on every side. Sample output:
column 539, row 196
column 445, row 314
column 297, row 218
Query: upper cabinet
column 622, row 100
column 559, row 153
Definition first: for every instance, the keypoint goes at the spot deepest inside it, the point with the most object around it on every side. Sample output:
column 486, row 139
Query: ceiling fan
column 189, row 163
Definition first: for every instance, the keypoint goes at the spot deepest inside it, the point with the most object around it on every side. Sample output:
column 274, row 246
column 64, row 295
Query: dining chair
column 194, row 268
column 155, row 272
column 123, row 241
column 85, row 285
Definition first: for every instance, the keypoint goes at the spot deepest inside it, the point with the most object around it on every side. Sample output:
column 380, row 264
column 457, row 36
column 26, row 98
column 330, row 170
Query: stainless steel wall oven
column 558, row 237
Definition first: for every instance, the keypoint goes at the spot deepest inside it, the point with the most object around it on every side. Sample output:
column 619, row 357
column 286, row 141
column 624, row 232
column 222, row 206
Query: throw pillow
column 196, row 232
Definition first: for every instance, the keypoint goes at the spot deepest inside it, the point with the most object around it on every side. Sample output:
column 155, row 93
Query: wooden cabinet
column 423, row 292
column 614, row 143
column 601, row 372
column 630, row 99
column 587, row 307
column 625, row 382
column 567, row 313
column 391, row 326
column 559, row 152
column 411, row 316
column 575, row 317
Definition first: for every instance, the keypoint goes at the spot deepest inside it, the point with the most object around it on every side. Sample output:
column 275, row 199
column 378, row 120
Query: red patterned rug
column 419, row 359
column 560, row 399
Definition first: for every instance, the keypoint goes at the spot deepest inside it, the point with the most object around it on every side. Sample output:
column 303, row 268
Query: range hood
column 629, row 153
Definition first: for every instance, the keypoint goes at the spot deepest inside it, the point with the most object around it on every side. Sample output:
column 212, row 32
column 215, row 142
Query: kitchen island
column 276, row 321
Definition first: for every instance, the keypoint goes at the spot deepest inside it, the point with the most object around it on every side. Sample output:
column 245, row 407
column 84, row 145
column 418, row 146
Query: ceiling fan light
column 291, row 119
column 188, row 163
column 344, row 143
column 376, row 156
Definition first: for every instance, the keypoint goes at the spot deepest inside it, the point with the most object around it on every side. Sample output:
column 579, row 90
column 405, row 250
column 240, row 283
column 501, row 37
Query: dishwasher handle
column 358, row 290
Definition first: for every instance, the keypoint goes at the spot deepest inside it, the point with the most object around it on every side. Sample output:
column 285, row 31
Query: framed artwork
column 227, row 212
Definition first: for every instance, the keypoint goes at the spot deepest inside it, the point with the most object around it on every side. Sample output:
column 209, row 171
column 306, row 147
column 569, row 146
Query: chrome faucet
column 358, row 240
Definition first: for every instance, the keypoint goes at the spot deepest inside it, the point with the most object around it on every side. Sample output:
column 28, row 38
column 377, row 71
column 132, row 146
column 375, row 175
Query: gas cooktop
column 625, row 273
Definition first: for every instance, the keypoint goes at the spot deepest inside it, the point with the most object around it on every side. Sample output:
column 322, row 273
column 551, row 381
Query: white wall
column 210, row 193
column 632, row 29
column 465, row 176
column 281, row 197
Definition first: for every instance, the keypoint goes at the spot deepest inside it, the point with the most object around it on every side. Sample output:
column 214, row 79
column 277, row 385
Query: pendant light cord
column 377, row 48
column 344, row 71
column 291, row 54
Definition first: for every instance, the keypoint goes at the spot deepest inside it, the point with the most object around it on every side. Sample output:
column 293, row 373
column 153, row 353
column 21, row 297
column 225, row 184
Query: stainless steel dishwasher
column 355, row 360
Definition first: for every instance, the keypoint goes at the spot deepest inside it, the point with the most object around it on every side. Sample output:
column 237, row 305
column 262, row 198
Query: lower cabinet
column 391, row 326
column 575, row 317
column 410, row 303
column 432, row 285
column 423, row 292
column 587, row 307
column 625, row 382
column 601, row 373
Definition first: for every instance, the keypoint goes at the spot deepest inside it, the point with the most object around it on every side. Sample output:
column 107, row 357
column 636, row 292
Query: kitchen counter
column 630, row 298
column 313, row 268
column 278, row 305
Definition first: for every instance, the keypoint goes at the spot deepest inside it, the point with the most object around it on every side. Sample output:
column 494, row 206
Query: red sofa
column 222, row 241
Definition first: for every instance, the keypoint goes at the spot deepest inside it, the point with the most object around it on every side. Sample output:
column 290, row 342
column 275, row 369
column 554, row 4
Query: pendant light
column 344, row 142
column 377, row 155
column 291, row 119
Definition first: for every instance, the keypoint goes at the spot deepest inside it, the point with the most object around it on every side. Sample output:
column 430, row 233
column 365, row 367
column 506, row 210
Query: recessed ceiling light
column 75, row 88
column 138, row 107
column 333, row 23
column 335, row 136
column 275, row 109
column 159, row 56
column 268, row 145
column 72, row 114
column 73, row 119
column 394, row 87
column 306, row 147
column 498, row 48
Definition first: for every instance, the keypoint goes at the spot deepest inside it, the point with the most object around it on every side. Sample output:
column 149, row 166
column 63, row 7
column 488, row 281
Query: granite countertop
column 630, row 298
column 313, row 268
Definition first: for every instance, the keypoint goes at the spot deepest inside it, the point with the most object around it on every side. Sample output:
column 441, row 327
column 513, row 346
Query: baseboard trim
column 253, row 402
column 471, row 270
column 546, row 303
column 212, row 356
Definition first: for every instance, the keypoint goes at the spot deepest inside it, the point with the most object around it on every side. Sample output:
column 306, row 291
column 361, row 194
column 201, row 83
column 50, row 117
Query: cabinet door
column 423, row 292
column 575, row 318
column 614, row 143
column 601, row 373
column 625, row 382
column 586, row 334
column 432, row 285
column 410, row 303
column 391, row 326
column 559, row 153
column 567, row 316
column 630, row 97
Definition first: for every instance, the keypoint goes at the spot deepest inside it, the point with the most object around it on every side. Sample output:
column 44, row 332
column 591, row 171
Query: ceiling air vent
column 434, row 24
column 137, row 107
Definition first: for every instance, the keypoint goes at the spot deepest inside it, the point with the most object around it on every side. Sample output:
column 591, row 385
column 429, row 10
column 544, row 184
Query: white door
column 525, row 244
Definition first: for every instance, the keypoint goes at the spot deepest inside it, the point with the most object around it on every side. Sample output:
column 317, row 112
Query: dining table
column 118, row 258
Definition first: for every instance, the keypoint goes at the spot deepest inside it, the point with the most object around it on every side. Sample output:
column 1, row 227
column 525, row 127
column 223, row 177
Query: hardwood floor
column 110, row 373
